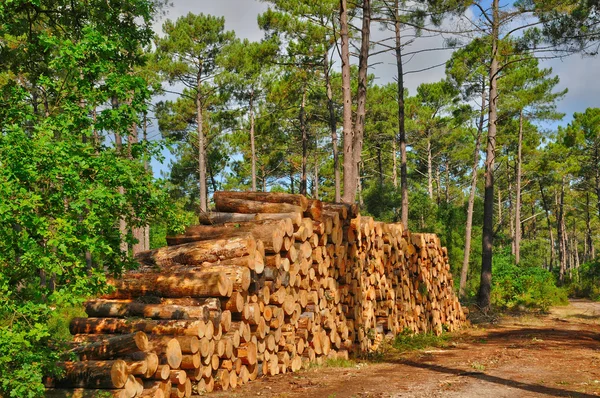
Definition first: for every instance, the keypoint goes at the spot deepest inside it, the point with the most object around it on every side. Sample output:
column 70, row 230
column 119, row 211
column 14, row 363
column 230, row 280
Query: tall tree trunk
column 252, row 146
column 485, row 286
column 119, row 148
column 465, row 266
column 380, row 166
column 304, row 131
column 147, row 168
column 511, row 220
column 316, row 180
column 429, row 169
column 333, row 129
column 589, row 253
column 349, row 168
column 518, row 193
column 201, row 145
column 562, row 252
column 394, row 165
column 447, row 185
column 597, row 161
column 401, row 117
column 550, row 229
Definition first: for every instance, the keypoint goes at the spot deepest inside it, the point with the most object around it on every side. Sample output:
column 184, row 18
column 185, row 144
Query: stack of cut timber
column 266, row 284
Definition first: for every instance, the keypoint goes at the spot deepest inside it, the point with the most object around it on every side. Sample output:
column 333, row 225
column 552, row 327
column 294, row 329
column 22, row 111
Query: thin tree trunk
column 597, row 160
column 119, row 148
column 550, row 230
column 401, row 117
column 252, row 146
column 380, row 166
column 394, row 165
column 465, row 266
column 589, row 253
column 316, row 180
column 561, row 232
column 518, row 193
column 333, row 129
column 349, row 168
column 485, row 286
column 511, row 220
column 429, row 169
column 201, row 145
column 304, row 131
column 447, row 185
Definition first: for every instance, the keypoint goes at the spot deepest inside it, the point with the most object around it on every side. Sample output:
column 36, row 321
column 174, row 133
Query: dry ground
column 555, row 355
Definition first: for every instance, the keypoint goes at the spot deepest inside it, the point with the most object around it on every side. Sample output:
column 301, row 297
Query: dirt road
column 555, row 355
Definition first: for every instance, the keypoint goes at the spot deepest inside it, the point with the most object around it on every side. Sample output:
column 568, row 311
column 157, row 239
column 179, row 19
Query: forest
column 91, row 93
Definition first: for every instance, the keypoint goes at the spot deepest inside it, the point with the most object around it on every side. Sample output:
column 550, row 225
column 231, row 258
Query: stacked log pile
column 266, row 284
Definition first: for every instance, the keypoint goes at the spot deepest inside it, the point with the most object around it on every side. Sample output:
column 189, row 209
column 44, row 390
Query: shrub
column 524, row 286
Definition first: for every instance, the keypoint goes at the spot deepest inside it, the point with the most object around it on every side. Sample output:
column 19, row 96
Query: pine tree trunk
column 349, row 169
column 465, row 266
column 361, row 97
column 303, row 130
column 252, row 144
column 485, row 286
column 429, row 169
column 518, row 193
column 561, row 232
column 201, row 145
column 401, row 116
column 589, row 253
column 394, row 165
column 333, row 129
column 511, row 220
column 550, row 229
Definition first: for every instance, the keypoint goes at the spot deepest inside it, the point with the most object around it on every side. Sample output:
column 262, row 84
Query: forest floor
column 556, row 354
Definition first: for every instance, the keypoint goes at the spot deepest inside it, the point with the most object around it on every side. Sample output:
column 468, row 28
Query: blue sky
column 576, row 73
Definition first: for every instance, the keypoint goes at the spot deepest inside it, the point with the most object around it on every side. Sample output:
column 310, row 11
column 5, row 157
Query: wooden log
column 228, row 204
column 238, row 275
column 151, row 360
column 268, row 197
column 117, row 325
column 271, row 232
column 91, row 374
column 187, row 344
column 194, row 284
column 315, row 209
column 196, row 253
column 168, row 350
column 113, row 346
column 128, row 308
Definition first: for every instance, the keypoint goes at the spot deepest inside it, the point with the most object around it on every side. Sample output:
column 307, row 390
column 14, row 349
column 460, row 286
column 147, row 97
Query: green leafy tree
column 63, row 185
column 187, row 55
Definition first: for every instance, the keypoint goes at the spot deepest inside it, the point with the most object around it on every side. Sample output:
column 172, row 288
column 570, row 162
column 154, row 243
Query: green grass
column 407, row 341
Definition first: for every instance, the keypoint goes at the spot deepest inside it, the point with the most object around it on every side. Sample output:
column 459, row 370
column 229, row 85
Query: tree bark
column 201, row 149
column 361, row 97
column 304, row 132
column 562, row 252
column 333, row 129
column 349, row 173
column 485, row 286
column 429, row 169
column 252, row 146
column 465, row 266
column 550, row 230
column 401, row 118
column 518, row 193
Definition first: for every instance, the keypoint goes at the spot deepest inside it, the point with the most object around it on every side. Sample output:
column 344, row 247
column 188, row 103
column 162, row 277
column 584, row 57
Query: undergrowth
column 408, row 341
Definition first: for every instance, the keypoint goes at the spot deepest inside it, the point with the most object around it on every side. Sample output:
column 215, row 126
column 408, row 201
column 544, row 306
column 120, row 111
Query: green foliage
column 524, row 286
column 585, row 281
column 409, row 341
column 63, row 185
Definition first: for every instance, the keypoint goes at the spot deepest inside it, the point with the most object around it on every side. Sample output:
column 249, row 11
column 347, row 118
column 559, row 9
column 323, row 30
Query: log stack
column 266, row 284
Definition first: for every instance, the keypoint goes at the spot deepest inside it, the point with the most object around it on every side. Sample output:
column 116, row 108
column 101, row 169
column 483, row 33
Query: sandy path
column 556, row 355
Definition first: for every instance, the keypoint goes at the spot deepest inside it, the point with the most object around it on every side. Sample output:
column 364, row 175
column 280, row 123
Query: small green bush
column 524, row 286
